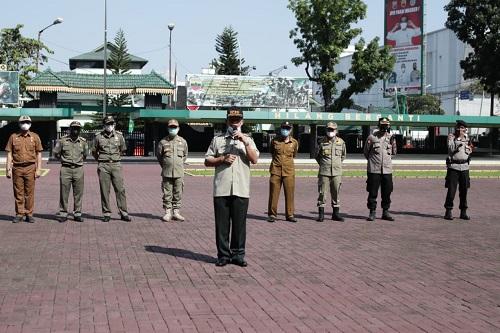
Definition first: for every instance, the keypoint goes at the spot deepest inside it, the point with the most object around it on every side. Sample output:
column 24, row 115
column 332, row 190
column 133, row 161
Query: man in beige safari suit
column 172, row 152
column 330, row 153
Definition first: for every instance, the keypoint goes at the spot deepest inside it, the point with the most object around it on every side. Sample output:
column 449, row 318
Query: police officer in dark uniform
column 72, row 151
column 379, row 148
column 457, row 162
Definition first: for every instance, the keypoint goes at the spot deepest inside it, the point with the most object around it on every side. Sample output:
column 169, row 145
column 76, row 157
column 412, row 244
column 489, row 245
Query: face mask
column 25, row 126
column 109, row 128
column 74, row 132
column 232, row 131
column 403, row 25
column 173, row 131
column 331, row 134
column 285, row 132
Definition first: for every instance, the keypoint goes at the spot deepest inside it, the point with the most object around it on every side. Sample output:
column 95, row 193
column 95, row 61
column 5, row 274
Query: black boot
column 447, row 214
column 321, row 214
column 463, row 214
column 386, row 215
column 371, row 216
column 336, row 215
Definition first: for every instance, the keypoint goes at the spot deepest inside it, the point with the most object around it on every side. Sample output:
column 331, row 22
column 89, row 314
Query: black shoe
column 106, row 218
column 62, row 219
column 126, row 218
column 291, row 219
column 321, row 214
column 221, row 262
column 463, row 215
column 271, row 218
column 447, row 215
column 239, row 262
column 30, row 219
column 387, row 216
column 336, row 215
column 17, row 219
column 371, row 216
column 78, row 219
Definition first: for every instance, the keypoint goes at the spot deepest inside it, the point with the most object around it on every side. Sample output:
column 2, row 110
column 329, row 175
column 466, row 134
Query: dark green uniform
column 71, row 153
column 108, row 149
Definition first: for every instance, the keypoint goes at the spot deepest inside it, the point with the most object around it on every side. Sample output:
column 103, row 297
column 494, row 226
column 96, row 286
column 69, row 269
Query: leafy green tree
column 19, row 54
column 324, row 30
column 119, row 63
column 477, row 23
column 425, row 104
column 229, row 61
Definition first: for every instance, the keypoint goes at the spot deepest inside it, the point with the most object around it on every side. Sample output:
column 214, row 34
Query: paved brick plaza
column 418, row 274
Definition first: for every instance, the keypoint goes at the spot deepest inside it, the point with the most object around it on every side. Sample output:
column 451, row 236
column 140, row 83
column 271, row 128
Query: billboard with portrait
column 404, row 34
column 9, row 87
column 247, row 91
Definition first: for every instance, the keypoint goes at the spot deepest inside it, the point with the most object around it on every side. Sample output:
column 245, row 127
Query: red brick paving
column 418, row 274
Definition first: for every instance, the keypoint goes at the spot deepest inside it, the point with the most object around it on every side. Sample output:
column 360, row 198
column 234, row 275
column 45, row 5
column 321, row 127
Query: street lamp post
column 170, row 28
column 105, row 97
column 56, row 21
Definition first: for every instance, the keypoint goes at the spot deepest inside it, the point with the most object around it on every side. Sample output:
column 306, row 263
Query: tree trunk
column 327, row 97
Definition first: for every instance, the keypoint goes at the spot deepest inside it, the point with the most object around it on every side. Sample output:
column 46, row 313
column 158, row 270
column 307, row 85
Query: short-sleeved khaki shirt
column 329, row 155
column 231, row 179
column 283, row 154
column 172, row 154
column 378, row 150
column 24, row 147
column 71, row 151
column 109, row 147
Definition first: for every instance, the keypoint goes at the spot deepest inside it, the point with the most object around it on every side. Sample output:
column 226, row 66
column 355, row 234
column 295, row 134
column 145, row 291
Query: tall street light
column 56, row 21
column 170, row 28
column 105, row 95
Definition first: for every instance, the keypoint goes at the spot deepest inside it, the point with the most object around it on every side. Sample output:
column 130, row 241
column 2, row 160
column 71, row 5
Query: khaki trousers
column 274, row 194
column 329, row 184
column 71, row 177
column 23, row 181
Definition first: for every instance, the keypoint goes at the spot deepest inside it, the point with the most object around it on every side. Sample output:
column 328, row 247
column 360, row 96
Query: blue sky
column 263, row 27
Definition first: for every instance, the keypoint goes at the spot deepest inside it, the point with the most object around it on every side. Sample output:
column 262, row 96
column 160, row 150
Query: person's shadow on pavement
column 180, row 253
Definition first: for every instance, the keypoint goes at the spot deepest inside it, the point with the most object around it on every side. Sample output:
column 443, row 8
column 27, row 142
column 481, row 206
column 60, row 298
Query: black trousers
column 374, row 181
column 230, row 215
column 454, row 178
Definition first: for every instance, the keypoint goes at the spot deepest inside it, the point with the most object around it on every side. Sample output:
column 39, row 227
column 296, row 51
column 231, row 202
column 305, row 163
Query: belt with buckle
column 72, row 166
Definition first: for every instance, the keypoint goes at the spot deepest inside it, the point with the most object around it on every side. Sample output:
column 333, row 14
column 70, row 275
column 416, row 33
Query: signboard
column 404, row 33
column 9, row 87
column 247, row 91
column 466, row 94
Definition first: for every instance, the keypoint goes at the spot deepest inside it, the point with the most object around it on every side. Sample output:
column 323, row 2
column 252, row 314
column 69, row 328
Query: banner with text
column 404, row 33
column 9, row 87
column 247, row 91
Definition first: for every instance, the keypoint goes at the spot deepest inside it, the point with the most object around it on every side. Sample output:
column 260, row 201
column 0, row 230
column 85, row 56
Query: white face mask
column 331, row 134
column 403, row 25
column 25, row 126
column 109, row 128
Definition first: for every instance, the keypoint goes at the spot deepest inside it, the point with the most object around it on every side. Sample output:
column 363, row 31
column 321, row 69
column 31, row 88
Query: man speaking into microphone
column 231, row 154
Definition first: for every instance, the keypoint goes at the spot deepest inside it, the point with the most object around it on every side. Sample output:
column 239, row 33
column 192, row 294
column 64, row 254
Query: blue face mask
column 285, row 132
column 173, row 131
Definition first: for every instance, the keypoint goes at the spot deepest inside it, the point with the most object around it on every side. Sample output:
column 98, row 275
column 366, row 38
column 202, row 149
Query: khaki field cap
column 331, row 125
column 24, row 119
column 108, row 119
column 173, row 122
column 75, row 124
column 384, row 121
column 234, row 112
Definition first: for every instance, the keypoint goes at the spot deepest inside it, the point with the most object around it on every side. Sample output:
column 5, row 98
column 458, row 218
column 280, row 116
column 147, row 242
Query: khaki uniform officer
column 24, row 162
column 72, row 151
column 172, row 152
column 283, row 150
column 457, row 175
column 330, row 153
column 109, row 145
column 231, row 154
column 378, row 150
